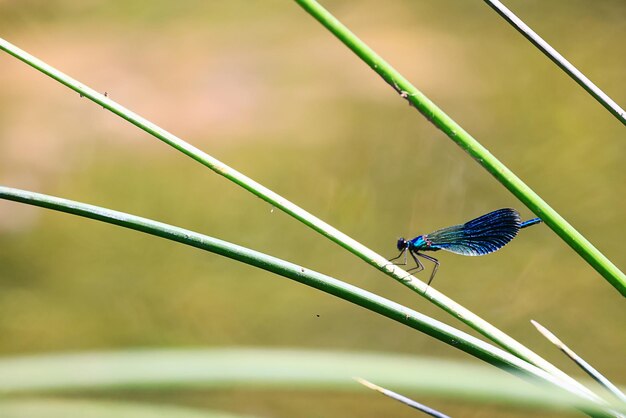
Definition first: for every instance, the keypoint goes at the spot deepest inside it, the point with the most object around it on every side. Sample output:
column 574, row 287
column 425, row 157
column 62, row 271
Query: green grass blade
column 558, row 59
column 365, row 299
column 470, row 145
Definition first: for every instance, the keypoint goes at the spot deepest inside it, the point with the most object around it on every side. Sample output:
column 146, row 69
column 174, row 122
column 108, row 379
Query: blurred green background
column 264, row 88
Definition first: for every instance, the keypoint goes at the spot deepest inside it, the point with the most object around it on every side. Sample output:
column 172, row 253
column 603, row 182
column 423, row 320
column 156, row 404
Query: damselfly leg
column 429, row 258
column 399, row 255
column 418, row 265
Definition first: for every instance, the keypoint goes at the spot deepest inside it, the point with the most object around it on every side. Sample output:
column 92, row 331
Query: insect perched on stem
column 479, row 236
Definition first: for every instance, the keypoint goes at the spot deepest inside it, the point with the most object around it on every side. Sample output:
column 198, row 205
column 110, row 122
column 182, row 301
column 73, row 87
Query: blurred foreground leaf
column 264, row 368
column 57, row 408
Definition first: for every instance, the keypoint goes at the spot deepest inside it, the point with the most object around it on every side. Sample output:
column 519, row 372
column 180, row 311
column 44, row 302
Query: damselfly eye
column 401, row 244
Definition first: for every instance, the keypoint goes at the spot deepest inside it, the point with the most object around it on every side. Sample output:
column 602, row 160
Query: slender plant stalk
column 558, row 59
column 360, row 250
column 363, row 298
column 402, row 399
column 587, row 368
column 462, row 138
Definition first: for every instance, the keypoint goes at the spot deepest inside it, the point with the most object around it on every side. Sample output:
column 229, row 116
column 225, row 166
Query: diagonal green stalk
column 558, row 59
column 462, row 138
column 363, row 298
column 580, row 362
column 402, row 399
column 355, row 247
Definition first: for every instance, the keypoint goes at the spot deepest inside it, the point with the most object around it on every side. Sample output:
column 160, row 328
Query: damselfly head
column 402, row 244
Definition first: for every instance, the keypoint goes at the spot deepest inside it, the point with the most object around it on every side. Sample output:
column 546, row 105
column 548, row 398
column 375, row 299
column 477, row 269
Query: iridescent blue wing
column 480, row 236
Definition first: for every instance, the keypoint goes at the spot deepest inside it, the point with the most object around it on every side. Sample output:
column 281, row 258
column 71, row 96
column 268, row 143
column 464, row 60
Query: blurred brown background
column 263, row 87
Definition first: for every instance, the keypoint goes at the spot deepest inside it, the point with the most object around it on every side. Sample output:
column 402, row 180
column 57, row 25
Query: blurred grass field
column 264, row 88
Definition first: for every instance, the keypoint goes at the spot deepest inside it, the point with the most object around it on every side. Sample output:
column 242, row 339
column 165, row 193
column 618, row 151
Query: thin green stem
column 463, row 139
column 327, row 284
column 358, row 249
column 402, row 399
column 558, row 59
column 587, row 368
